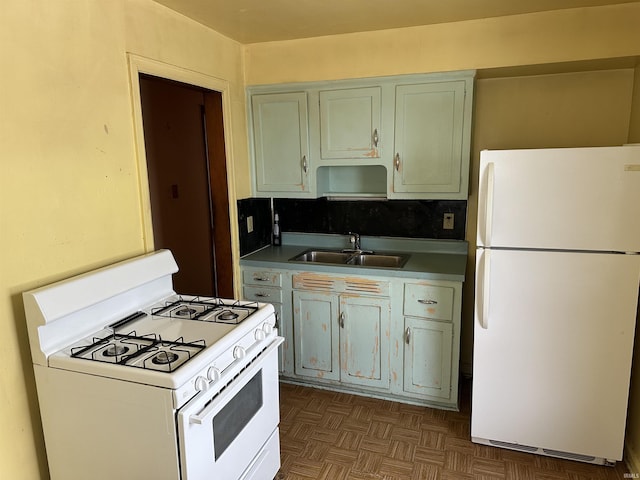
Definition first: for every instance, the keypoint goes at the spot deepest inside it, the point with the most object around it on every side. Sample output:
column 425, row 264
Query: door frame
column 138, row 65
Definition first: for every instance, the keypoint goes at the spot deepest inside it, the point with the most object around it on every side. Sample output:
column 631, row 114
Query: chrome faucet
column 354, row 240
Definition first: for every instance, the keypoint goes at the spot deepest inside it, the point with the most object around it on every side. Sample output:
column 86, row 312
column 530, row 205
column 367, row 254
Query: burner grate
column 148, row 351
column 209, row 309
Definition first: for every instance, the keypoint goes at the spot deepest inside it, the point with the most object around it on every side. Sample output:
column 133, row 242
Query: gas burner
column 115, row 350
column 227, row 316
column 164, row 358
column 183, row 309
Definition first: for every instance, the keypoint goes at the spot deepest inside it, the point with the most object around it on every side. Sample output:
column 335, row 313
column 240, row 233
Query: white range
column 137, row 382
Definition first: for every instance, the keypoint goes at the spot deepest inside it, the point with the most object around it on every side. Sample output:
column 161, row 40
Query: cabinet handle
column 262, row 295
column 261, row 279
column 427, row 302
column 304, row 163
column 375, row 137
column 397, row 162
column 277, row 322
column 342, row 320
column 407, row 336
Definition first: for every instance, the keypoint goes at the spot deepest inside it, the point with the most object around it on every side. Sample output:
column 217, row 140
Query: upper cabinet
column 280, row 143
column 428, row 144
column 350, row 123
column 402, row 137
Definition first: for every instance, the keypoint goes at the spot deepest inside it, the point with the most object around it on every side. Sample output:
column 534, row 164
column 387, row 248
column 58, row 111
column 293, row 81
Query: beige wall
column 541, row 38
column 69, row 186
column 70, row 191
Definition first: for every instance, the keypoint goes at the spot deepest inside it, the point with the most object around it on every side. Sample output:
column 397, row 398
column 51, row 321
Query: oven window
column 236, row 414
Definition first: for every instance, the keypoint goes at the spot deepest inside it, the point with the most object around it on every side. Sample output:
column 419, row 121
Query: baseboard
column 632, row 460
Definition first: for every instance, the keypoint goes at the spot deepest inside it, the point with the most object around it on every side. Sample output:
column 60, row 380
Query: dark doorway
column 186, row 163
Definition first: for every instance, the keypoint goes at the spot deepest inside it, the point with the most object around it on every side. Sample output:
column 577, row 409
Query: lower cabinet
column 392, row 338
column 342, row 337
column 430, row 352
column 316, row 335
column 427, row 358
column 268, row 286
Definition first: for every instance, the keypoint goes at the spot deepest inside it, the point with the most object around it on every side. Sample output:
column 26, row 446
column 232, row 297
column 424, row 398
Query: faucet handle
column 354, row 240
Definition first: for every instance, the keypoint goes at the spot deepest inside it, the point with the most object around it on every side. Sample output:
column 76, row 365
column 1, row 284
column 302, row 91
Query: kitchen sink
column 352, row 258
column 322, row 256
column 379, row 260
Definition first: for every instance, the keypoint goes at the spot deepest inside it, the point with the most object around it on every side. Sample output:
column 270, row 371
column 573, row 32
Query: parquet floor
column 335, row 436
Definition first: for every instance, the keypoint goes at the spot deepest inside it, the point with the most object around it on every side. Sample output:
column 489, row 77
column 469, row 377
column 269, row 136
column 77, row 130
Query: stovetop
column 167, row 335
column 168, row 343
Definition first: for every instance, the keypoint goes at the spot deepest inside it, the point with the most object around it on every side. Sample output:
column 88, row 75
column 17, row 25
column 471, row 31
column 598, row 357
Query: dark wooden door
column 184, row 143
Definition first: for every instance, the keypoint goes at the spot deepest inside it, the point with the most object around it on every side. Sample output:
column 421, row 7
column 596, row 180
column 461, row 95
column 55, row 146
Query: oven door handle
column 244, row 376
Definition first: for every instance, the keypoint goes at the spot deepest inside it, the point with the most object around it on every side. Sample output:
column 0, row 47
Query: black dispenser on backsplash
column 277, row 239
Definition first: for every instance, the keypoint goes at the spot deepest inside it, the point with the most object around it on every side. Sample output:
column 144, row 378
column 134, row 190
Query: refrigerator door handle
column 486, row 224
column 482, row 294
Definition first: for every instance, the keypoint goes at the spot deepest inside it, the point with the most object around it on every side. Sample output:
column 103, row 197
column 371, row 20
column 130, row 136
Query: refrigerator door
column 569, row 198
column 553, row 340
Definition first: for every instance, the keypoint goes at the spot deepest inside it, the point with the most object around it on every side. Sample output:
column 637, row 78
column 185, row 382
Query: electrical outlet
column 447, row 221
column 249, row 224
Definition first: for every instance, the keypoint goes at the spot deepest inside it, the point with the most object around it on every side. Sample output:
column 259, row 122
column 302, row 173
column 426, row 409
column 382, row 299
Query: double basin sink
column 363, row 258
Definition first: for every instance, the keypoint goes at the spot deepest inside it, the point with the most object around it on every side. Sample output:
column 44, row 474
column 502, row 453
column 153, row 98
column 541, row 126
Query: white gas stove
column 192, row 381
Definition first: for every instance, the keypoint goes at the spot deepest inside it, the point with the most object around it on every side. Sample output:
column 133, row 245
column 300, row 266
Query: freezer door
column 553, row 341
column 568, row 198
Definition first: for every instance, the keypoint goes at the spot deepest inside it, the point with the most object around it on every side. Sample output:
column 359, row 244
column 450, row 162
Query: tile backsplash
column 254, row 219
column 391, row 218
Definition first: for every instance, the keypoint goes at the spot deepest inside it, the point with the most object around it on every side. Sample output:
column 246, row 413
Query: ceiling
column 253, row 21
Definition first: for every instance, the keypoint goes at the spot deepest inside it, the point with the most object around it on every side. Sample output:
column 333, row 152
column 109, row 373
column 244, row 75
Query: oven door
column 230, row 432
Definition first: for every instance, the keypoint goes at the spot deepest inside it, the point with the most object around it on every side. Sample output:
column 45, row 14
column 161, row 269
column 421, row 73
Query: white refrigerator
column 556, row 301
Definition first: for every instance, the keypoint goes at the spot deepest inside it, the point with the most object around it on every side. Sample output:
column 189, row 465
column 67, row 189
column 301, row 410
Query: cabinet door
column 350, row 123
column 316, row 331
column 281, row 142
column 364, row 340
column 428, row 137
column 427, row 357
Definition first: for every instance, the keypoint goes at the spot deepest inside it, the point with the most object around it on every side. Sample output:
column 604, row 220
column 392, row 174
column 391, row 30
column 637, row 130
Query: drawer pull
column 427, row 302
column 262, row 295
column 407, row 336
column 261, row 279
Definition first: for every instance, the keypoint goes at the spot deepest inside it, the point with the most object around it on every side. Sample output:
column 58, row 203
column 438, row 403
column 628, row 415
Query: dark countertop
column 428, row 259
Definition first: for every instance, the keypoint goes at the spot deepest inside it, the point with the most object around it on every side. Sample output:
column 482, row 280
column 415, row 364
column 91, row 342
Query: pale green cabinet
column 316, row 334
column 399, row 137
column 429, row 149
column 431, row 339
column 427, row 357
column 340, row 336
column 350, row 122
column 280, row 143
column 266, row 285
column 364, row 340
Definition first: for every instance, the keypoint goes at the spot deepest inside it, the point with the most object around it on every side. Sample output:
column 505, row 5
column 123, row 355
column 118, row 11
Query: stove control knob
column 260, row 335
column 213, row 374
column 267, row 328
column 239, row 352
column 201, row 384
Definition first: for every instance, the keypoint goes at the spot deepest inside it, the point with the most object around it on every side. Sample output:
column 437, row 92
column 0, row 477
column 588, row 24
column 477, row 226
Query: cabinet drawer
column 428, row 301
column 262, row 294
column 262, row 277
